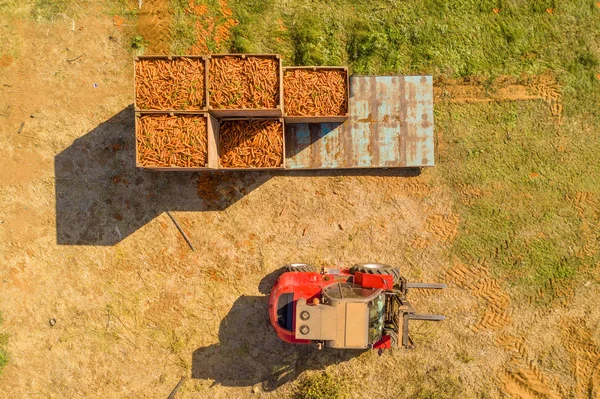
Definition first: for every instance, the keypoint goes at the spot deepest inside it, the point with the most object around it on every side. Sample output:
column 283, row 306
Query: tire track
column 521, row 377
column 416, row 188
column 469, row 194
column 444, row 227
column 588, row 209
column 419, row 242
column 561, row 293
column 585, row 357
column 153, row 25
column 548, row 88
column 475, row 277
column 468, row 91
column 527, row 383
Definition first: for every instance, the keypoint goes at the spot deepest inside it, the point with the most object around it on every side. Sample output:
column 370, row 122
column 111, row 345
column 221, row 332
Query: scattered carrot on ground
column 212, row 28
column 250, row 82
column 162, row 84
column 308, row 92
column 255, row 144
column 172, row 141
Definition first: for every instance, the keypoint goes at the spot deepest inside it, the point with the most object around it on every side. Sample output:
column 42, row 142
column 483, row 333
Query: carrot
column 315, row 93
column 168, row 135
column 245, row 144
column 167, row 82
column 250, row 82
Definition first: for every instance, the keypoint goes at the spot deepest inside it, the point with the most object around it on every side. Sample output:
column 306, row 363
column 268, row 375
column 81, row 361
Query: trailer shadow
column 249, row 351
column 102, row 197
column 300, row 136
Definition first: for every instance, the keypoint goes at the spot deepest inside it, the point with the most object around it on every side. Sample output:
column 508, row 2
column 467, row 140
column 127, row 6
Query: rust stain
column 402, row 117
column 368, row 119
column 411, row 131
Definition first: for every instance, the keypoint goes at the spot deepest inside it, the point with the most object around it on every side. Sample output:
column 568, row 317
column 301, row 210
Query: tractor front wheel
column 377, row 268
column 300, row 267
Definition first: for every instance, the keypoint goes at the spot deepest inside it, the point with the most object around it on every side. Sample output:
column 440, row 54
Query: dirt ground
column 86, row 243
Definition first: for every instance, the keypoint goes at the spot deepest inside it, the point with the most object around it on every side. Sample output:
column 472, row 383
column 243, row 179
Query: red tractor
column 357, row 308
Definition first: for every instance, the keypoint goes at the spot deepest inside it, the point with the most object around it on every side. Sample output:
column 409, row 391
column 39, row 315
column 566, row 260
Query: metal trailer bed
column 390, row 125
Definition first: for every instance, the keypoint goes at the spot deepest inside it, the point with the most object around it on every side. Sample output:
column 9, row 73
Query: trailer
column 241, row 123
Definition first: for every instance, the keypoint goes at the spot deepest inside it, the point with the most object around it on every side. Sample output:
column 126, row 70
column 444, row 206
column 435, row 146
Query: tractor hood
column 341, row 319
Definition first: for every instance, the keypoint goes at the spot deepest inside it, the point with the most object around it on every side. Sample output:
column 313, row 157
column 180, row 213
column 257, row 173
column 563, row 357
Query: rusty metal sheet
column 390, row 125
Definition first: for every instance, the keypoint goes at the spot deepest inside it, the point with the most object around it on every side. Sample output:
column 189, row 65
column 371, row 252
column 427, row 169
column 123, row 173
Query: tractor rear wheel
column 300, row 267
column 377, row 268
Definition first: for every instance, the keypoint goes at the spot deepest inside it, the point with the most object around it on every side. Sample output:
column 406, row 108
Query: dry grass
column 85, row 241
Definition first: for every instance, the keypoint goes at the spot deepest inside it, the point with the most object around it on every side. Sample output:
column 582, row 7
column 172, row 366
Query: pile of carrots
column 251, row 82
column 171, row 141
column 235, row 82
column 310, row 92
column 162, row 84
column 251, row 144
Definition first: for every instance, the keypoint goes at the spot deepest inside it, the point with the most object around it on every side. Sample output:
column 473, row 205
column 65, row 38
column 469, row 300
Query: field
column 100, row 296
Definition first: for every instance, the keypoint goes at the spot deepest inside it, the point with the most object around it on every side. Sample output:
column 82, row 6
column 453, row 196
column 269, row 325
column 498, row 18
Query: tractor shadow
column 250, row 352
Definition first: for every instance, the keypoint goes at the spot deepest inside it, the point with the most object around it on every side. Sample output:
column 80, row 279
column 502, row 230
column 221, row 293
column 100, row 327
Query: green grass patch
column 455, row 39
column 49, row 10
column 528, row 170
column 3, row 343
column 122, row 8
column 444, row 388
column 319, row 386
column 427, row 382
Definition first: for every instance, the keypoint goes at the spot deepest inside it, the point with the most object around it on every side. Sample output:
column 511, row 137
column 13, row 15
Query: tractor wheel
column 377, row 268
column 300, row 267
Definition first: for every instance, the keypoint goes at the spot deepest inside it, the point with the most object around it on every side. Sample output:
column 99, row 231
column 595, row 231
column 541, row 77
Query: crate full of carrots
column 171, row 83
column 315, row 94
column 251, row 144
column 245, row 85
column 176, row 141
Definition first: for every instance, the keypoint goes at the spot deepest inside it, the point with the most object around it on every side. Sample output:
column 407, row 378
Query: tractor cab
column 346, row 316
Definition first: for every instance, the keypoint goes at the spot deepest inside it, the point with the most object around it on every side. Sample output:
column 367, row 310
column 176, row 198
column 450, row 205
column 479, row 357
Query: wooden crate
column 246, row 112
column 218, row 134
column 316, row 118
column 204, row 108
column 212, row 128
